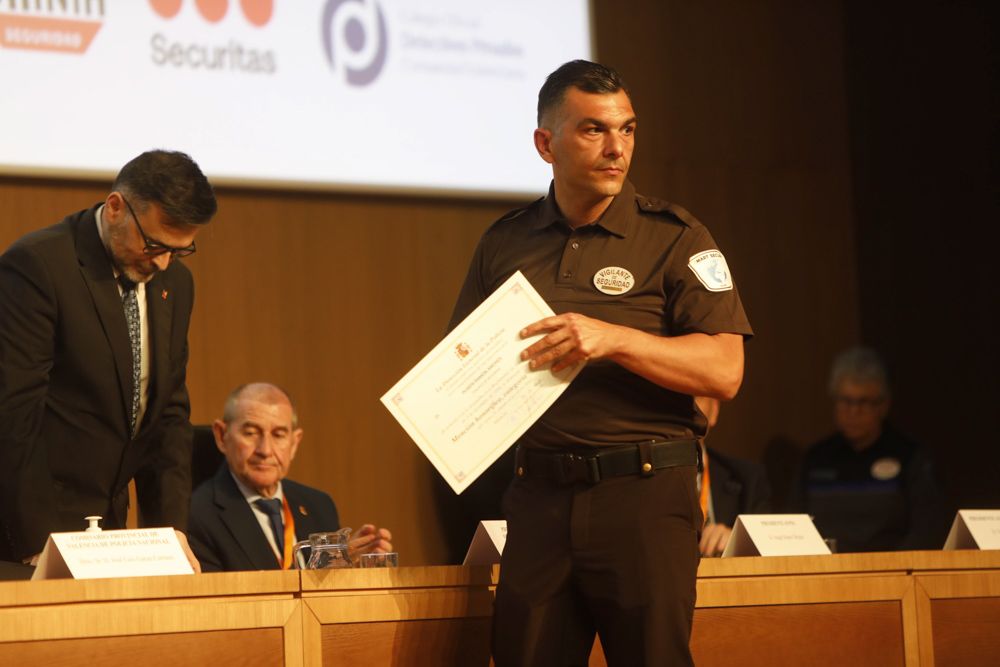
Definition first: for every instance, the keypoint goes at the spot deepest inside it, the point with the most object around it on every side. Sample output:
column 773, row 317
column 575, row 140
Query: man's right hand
column 370, row 540
column 714, row 539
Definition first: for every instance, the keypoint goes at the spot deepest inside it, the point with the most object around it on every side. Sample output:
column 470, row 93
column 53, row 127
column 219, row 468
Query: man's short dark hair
column 583, row 74
column 173, row 181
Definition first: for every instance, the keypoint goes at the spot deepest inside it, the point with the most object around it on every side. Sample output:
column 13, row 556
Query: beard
column 140, row 269
column 137, row 275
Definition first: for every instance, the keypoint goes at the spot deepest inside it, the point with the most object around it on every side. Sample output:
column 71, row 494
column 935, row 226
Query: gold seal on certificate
column 472, row 397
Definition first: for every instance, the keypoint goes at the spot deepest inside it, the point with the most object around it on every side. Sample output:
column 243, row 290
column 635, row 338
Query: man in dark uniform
column 868, row 486
column 603, row 516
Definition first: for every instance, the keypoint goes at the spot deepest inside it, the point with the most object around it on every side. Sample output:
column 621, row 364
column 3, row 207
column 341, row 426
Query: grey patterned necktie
column 130, row 302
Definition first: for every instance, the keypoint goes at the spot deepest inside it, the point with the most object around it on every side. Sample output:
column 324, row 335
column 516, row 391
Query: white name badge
column 974, row 529
column 487, row 543
column 775, row 535
column 112, row 553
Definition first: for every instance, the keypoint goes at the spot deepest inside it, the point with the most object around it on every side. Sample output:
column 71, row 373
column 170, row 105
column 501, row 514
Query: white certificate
column 472, row 397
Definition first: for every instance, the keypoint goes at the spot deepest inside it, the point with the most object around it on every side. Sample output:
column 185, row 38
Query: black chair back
column 205, row 456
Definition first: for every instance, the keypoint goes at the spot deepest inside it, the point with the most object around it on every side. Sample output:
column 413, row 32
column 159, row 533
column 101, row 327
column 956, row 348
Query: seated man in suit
column 728, row 487
column 248, row 516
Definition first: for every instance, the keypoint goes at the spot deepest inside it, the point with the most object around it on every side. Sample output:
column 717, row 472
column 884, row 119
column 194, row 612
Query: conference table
column 905, row 608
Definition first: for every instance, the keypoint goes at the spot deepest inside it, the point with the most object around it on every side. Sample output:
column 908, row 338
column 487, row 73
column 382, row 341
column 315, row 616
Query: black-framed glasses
column 864, row 403
column 153, row 247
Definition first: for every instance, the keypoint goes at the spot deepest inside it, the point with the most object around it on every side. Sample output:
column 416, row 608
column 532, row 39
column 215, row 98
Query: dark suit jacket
column 224, row 532
column 66, row 391
column 738, row 487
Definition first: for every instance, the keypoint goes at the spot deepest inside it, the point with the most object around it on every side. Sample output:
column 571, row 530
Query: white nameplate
column 112, row 553
column 487, row 543
column 775, row 535
column 974, row 529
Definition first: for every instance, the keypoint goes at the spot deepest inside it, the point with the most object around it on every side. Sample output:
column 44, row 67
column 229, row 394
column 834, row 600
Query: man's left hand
column 571, row 338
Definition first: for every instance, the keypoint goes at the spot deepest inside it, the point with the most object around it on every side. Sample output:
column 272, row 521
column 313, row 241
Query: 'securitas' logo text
column 232, row 56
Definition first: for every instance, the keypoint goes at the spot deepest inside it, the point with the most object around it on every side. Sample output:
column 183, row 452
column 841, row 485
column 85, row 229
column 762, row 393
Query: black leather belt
column 644, row 458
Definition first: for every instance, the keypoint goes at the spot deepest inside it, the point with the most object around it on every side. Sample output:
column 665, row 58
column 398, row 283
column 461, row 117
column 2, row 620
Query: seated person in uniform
column 248, row 516
column 867, row 486
column 728, row 487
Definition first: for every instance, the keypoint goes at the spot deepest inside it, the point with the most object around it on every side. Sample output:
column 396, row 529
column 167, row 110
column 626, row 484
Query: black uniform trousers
column 618, row 558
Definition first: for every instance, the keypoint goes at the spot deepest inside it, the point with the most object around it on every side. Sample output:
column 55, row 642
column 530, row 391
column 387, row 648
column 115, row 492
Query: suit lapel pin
column 163, row 295
column 302, row 510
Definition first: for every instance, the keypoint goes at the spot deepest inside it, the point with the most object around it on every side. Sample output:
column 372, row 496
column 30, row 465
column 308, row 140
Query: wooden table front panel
column 431, row 616
column 959, row 619
column 238, row 618
column 442, row 642
column 259, row 647
column 859, row 634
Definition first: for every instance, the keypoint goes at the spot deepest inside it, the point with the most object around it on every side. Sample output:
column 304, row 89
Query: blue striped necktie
column 272, row 508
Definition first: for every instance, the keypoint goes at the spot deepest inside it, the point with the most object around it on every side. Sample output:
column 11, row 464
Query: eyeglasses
column 154, row 248
column 862, row 403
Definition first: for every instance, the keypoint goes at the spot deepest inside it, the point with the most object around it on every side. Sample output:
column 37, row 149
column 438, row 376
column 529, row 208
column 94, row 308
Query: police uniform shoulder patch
column 711, row 269
column 678, row 213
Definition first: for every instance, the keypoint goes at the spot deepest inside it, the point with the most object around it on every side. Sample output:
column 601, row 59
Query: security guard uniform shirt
column 645, row 264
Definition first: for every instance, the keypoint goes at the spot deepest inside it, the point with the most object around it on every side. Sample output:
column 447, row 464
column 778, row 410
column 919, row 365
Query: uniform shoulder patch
column 711, row 269
column 655, row 205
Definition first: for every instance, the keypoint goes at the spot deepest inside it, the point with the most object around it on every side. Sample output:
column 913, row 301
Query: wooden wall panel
column 924, row 107
column 742, row 120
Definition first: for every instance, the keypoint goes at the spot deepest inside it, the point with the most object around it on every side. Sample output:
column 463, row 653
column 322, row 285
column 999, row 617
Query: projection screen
column 401, row 95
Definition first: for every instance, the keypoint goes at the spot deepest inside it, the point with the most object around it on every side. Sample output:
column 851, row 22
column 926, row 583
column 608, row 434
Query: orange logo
column 63, row 27
column 462, row 350
column 257, row 12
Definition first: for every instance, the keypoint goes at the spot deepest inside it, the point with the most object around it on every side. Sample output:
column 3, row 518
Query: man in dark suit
column 94, row 317
column 248, row 516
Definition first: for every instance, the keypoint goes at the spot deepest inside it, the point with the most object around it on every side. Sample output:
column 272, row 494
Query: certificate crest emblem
column 614, row 280
column 713, row 272
column 462, row 350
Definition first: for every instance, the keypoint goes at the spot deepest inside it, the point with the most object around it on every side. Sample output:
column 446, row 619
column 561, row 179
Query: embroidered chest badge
column 614, row 280
column 886, row 468
column 713, row 272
